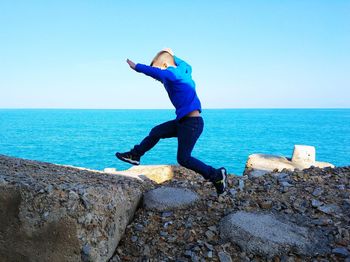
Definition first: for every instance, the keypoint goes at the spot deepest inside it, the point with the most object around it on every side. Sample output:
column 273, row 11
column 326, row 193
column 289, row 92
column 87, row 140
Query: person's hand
column 169, row 51
column 131, row 63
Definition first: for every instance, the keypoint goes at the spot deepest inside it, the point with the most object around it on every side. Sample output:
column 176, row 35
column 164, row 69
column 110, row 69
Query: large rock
column 303, row 157
column 266, row 235
column 155, row 173
column 304, row 154
column 168, row 198
column 58, row 213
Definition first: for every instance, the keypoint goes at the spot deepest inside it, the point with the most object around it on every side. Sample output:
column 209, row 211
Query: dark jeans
column 187, row 130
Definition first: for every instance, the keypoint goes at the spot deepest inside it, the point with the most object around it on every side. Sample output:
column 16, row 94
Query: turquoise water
column 89, row 138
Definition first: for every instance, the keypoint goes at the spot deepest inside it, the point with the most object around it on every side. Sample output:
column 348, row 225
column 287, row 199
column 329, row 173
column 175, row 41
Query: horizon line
column 209, row 108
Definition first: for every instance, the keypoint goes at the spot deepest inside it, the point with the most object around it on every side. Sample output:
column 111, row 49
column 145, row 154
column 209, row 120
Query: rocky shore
column 168, row 213
column 315, row 200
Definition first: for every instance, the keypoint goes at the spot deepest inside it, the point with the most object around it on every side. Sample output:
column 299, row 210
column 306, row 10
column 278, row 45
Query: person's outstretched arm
column 151, row 71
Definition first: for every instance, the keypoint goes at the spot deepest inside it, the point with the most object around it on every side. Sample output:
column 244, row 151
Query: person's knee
column 154, row 132
column 183, row 160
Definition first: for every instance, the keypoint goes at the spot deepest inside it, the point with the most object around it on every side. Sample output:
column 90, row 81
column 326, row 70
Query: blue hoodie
column 178, row 83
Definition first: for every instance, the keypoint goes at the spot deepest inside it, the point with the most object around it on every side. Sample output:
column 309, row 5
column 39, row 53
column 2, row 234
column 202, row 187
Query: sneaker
column 221, row 184
column 128, row 157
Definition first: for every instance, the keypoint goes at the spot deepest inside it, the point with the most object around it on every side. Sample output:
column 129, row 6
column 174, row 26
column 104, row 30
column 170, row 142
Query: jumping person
column 175, row 74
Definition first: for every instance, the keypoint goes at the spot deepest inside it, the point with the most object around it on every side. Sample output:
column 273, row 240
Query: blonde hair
column 163, row 57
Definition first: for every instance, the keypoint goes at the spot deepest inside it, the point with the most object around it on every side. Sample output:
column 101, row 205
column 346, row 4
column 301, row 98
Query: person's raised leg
column 164, row 130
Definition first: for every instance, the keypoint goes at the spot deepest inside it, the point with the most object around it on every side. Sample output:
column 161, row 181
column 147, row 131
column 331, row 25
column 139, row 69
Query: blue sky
column 244, row 54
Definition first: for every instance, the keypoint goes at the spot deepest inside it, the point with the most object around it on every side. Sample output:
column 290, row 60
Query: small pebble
column 167, row 214
column 317, row 192
column 224, row 257
column 341, row 251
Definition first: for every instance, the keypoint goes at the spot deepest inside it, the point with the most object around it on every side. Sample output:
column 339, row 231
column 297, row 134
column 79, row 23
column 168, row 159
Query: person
column 175, row 74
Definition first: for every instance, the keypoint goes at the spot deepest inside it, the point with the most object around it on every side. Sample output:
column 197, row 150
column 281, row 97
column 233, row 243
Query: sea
column 89, row 138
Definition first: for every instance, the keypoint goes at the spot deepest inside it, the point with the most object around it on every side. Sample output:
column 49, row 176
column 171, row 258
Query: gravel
column 188, row 237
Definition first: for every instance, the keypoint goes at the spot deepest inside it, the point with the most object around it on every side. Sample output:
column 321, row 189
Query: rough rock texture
column 169, row 198
column 57, row 213
column 261, row 164
column 315, row 199
column 303, row 157
column 270, row 235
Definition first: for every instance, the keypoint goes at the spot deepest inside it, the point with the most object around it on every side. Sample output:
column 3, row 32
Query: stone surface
column 156, row 173
column 304, row 154
column 257, row 172
column 224, row 257
column 168, row 198
column 191, row 234
column 180, row 234
column 331, row 209
column 57, row 213
column 341, row 251
column 110, row 170
column 260, row 164
column 264, row 234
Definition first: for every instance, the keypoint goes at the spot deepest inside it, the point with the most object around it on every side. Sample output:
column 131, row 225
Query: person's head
column 163, row 60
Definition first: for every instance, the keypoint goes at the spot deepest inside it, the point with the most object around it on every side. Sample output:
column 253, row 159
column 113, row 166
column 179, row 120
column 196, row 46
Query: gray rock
column 213, row 228
column 188, row 253
column 43, row 218
column 188, row 224
column 86, row 253
column 86, row 201
column 341, row 187
column 241, row 184
column 139, row 227
column 224, row 257
column 163, row 233
column 167, row 198
column 317, row 192
column 285, row 184
column 341, row 251
column 210, row 234
column 330, row 209
column 194, row 257
column 316, row 203
column 265, row 234
column 49, row 189
column 282, row 176
column 233, row 192
column 72, row 195
column 257, row 173
column 322, row 222
column 167, row 214
column 196, row 248
column 210, row 247
column 146, row 250
column 166, row 224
